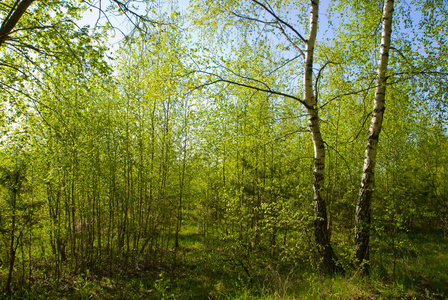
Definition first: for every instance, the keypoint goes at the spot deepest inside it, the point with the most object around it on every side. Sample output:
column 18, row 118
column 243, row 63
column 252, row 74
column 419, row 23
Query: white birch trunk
column 362, row 230
column 320, row 222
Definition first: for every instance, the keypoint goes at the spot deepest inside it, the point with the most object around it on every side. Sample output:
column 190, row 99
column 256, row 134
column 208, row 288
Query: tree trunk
column 13, row 18
column 182, row 178
column 12, row 248
column 362, row 230
column 321, row 234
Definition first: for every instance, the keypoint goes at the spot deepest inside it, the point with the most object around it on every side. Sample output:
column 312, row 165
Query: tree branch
column 265, row 90
column 284, row 64
column 13, row 18
column 350, row 93
column 271, row 12
column 276, row 24
column 318, row 77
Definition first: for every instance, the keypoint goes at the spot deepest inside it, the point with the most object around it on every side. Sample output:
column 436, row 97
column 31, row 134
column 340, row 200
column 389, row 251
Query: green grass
column 421, row 272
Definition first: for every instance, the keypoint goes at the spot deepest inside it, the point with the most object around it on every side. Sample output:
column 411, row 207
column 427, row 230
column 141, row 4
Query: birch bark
column 362, row 230
column 321, row 232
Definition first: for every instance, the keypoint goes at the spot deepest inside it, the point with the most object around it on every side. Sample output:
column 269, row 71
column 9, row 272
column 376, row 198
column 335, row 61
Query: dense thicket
column 192, row 145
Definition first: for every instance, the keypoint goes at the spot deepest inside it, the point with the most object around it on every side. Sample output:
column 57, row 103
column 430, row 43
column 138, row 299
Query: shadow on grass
column 197, row 270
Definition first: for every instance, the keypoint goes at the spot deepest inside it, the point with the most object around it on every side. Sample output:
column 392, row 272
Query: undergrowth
column 418, row 270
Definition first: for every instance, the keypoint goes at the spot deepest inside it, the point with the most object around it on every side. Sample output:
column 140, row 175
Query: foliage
column 182, row 168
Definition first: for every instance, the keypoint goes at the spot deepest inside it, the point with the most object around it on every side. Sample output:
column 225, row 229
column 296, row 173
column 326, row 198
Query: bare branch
column 251, row 19
column 349, row 93
column 280, row 27
column 271, row 12
column 284, row 136
column 276, row 24
column 31, row 28
column 284, row 64
column 360, row 129
column 318, row 77
column 343, row 158
column 265, row 90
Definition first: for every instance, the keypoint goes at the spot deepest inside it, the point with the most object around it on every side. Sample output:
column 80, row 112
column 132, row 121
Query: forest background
column 219, row 150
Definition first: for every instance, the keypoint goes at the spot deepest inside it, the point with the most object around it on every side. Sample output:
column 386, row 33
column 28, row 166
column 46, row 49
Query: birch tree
column 321, row 233
column 362, row 231
column 272, row 18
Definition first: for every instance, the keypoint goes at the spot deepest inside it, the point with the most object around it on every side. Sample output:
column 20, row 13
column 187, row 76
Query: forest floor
column 417, row 268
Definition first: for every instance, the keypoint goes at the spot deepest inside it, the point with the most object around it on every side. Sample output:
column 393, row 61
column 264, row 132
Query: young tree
column 12, row 179
column 362, row 231
column 265, row 15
